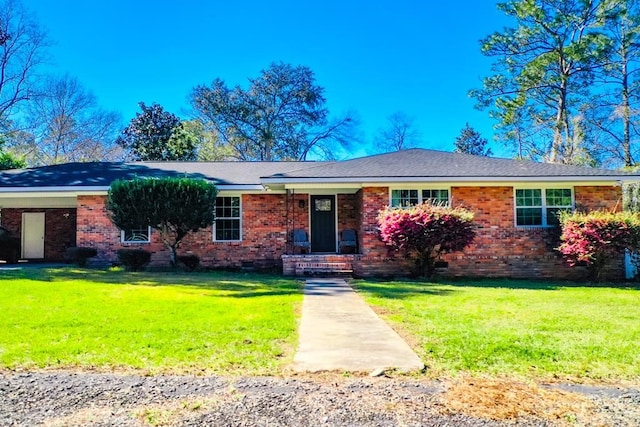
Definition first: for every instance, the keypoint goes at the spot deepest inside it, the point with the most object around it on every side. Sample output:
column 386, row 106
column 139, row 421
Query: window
column 227, row 225
column 538, row 207
column 136, row 235
column 404, row 198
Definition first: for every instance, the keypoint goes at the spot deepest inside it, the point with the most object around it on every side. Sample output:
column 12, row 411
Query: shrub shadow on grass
column 235, row 285
column 407, row 288
column 400, row 289
column 541, row 284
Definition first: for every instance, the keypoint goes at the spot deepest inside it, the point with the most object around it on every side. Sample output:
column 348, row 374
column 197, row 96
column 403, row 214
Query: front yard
column 501, row 327
column 159, row 322
column 234, row 323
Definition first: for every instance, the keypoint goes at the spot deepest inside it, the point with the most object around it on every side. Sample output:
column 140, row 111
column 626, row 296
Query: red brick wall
column 598, row 198
column 347, row 211
column 264, row 232
column 59, row 228
column 374, row 258
column 500, row 248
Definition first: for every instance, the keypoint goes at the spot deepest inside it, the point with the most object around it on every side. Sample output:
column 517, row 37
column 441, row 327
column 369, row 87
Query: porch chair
column 301, row 241
column 348, row 243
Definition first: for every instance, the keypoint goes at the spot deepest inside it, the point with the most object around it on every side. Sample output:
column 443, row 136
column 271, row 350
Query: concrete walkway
column 339, row 331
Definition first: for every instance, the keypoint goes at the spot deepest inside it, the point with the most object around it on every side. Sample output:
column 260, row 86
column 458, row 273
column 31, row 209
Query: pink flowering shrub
column 425, row 232
column 594, row 238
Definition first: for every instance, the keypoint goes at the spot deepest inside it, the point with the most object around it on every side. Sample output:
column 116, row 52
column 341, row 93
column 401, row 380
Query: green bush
column 80, row 255
column 134, row 259
column 191, row 261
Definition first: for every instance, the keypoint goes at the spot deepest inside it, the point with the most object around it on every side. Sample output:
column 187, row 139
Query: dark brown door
column 323, row 224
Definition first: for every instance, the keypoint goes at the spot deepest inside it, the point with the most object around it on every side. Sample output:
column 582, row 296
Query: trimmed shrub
column 173, row 206
column 425, row 232
column 593, row 238
column 134, row 259
column 80, row 255
column 191, row 261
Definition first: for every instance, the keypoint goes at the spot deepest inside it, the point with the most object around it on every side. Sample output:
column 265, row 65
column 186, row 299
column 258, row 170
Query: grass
column 160, row 322
column 531, row 329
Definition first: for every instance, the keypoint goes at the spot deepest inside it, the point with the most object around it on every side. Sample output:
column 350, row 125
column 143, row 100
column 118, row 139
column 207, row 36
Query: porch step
column 317, row 264
column 306, row 268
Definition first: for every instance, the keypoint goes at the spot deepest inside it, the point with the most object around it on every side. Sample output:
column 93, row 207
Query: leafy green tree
column 544, row 67
column 426, row 231
column 471, row 142
column 9, row 161
column 282, row 115
column 172, row 206
column 156, row 134
column 210, row 147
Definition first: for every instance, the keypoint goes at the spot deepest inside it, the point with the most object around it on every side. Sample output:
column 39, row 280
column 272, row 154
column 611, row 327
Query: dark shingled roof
column 408, row 165
column 102, row 174
column 421, row 163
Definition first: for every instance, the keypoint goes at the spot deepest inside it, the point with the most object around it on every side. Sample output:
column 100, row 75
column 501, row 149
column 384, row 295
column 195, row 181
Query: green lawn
column 217, row 322
column 532, row 329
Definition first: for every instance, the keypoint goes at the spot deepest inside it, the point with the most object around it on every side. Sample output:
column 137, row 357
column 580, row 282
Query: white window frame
column 544, row 207
column 419, row 189
column 239, row 218
column 133, row 242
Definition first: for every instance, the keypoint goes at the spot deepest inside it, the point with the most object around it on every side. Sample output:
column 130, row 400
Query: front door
column 33, row 235
column 323, row 224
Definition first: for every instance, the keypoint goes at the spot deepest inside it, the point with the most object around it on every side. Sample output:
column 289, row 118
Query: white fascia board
column 52, row 191
column 62, row 191
column 241, row 187
column 364, row 182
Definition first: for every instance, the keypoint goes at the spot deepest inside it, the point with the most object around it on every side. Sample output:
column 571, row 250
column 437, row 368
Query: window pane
column 529, row 216
column 323, row 205
column 436, row 197
column 558, row 197
column 227, row 225
column 136, row 234
column 529, row 197
column 553, row 216
column 227, row 229
column 404, row 198
column 228, row 207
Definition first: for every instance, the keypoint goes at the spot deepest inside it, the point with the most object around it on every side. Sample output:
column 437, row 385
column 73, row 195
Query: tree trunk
column 556, row 154
column 173, row 256
column 626, row 112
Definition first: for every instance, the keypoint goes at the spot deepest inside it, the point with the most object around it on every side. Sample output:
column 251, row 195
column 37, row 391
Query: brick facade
column 500, row 250
column 266, row 221
column 59, row 229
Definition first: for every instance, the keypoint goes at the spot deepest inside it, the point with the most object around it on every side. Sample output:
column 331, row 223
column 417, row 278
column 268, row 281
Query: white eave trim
column 62, row 191
column 468, row 180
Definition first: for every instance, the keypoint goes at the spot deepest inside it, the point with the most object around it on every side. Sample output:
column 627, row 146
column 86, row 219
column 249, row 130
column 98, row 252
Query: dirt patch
column 508, row 399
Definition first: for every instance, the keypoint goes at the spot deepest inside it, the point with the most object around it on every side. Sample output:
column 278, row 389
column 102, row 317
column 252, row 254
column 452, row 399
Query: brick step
column 309, row 267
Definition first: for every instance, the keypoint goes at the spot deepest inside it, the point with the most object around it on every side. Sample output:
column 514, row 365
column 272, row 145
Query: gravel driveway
column 96, row 399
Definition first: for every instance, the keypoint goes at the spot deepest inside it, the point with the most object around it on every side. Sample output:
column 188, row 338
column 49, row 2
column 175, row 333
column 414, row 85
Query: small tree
column 596, row 237
column 172, row 206
column 471, row 142
column 426, row 231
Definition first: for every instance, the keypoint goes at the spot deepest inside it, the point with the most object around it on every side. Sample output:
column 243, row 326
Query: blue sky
column 373, row 57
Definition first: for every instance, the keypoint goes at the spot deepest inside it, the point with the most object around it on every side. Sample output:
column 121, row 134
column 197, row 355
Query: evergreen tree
column 471, row 142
